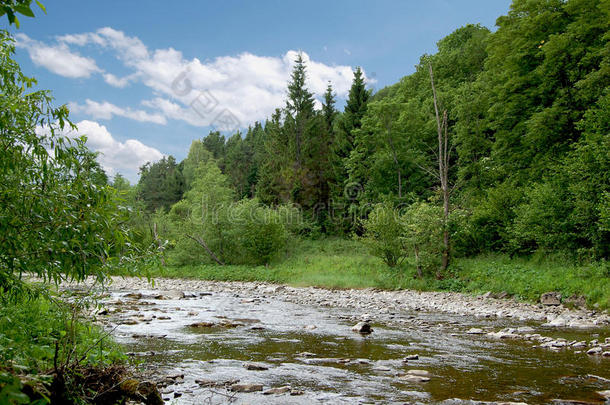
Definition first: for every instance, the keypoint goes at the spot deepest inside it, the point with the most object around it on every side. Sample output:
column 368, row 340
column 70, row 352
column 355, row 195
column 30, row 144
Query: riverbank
column 381, row 304
column 341, row 263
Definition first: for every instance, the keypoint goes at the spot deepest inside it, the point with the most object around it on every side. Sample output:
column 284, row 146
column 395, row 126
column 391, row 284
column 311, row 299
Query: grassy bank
column 41, row 339
column 340, row 263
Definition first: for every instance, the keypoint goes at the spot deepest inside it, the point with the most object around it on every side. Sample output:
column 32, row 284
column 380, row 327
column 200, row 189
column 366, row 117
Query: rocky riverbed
column 219, row 342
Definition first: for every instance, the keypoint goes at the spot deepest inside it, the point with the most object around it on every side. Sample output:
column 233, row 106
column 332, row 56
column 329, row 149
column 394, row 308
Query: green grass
column 341, row 263
column 29, row 331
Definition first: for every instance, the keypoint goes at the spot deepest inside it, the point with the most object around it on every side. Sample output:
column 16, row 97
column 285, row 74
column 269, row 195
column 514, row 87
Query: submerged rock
column 364, row 328
column 417, row 376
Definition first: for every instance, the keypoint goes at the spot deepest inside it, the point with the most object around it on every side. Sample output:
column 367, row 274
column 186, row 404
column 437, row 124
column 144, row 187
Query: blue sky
column 145, row 78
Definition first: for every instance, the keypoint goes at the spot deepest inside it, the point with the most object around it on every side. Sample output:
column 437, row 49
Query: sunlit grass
column 342, row 263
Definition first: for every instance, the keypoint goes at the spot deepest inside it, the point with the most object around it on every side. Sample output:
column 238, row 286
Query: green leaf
column 42, row 7
column 25, row 10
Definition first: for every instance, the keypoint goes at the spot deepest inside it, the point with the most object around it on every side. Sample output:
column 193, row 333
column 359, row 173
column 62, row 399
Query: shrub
column 384, row 234
column 424, row 225
column 259, row 232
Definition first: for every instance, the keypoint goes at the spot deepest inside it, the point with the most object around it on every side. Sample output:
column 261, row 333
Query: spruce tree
column 348, row 125
column 300, row 105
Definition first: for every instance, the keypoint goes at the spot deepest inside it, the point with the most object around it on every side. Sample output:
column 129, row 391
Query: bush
column 424, row 227
column 384, row 234
column 258, row 232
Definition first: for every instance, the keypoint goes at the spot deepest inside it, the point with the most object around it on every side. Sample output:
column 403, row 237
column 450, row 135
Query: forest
column 487, row 169
column 497, row 144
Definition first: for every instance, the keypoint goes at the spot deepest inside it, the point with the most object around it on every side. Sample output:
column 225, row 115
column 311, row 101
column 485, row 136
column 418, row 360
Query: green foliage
column 384, row 234
column 58, row 218
column 207, row 225
column 424, row 225
column 23, row 7
column 258, row 231
column 161, row 184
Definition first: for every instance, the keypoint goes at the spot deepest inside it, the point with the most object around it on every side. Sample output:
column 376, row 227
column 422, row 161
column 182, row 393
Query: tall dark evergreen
column 299, row 106
column 328, row 108
column 161, row 184
column 348, row 124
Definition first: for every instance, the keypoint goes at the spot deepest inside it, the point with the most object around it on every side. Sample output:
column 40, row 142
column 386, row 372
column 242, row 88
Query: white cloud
column 58, row 59
column 106, row 111
column 249, row 86
column 115, row 156
column 119, row 82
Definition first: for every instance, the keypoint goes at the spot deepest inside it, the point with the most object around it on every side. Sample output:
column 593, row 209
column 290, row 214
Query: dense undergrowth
column 49, row 353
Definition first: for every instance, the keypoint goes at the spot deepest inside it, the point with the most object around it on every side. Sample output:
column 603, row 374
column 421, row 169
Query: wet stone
column 255, row 367
column 363, row 328
column 278, row 390
column 246, row 387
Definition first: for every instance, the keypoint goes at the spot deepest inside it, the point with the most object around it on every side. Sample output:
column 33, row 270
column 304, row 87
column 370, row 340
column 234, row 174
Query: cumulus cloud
column 58, row 58
column 115, row 156
column 243, row 88
column 106, row 111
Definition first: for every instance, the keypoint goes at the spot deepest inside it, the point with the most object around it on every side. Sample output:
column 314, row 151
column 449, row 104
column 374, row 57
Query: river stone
column 475, row 331
column 170, row 295
column 278, row 390
column 606, row 354
column 552, row 298
column 421, row 373
column 503, row 335
column 594, row 351
column 411, row 357
column 255, row 367
column 363, row 328
column 605, row 394
column 576, row 300
column 246, row 387
column 414, row 378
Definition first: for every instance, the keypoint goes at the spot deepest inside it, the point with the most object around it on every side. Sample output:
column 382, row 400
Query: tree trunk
column 159, row 244
column 420, row 274
column 443, row 172
column 202, row 243
column 395, row 157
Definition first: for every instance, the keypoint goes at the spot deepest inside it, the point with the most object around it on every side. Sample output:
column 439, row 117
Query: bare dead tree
column 443, row 157
column 159, row 243
column 388, row 113
column 204, row 245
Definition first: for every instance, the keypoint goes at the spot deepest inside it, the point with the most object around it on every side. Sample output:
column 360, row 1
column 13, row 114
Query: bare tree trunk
column 207, row 249
column 420, row 274
column 397, row 164
column 443, row 171
column 159, row 243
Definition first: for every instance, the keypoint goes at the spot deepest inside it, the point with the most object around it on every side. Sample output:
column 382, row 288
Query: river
column 260, row 338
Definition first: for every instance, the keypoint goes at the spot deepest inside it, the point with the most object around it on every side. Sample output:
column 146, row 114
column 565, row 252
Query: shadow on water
column 313, row 349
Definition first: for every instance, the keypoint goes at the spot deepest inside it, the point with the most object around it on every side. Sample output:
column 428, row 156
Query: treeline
column 518, row 118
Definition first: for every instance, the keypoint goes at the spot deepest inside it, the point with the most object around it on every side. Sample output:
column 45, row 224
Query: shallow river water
column 314, row 351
